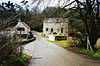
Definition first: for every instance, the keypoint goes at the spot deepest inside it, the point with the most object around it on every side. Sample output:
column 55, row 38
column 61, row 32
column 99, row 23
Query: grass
column 20, row 60
column 65, row 44
column 24, row 58
column 69, row 44
column 62, row 43
column 94, row 54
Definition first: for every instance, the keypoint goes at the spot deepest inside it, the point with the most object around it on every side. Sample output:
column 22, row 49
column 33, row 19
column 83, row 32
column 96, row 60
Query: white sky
column 53, row 2
column 14, row 1
column 43, row 4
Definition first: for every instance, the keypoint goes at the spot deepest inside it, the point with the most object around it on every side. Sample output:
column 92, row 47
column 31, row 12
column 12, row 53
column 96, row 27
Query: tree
column 89, row 14
column 10, row 43
column 77, row 29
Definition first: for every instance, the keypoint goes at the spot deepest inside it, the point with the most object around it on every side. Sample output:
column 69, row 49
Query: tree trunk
column 93, row 32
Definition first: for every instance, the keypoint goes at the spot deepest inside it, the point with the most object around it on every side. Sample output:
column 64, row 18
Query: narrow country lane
column 45, row 53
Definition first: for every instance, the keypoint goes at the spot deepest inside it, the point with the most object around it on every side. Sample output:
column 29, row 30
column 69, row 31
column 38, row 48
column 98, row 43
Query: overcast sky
column 51, row 2
column 15, row 1
column 43, row 4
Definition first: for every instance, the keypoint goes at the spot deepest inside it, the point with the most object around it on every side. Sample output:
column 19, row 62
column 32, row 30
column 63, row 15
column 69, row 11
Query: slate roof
column 22, row 23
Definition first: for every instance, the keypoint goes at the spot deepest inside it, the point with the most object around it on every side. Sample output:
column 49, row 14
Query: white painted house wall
column 23, row 25
column 52, row 23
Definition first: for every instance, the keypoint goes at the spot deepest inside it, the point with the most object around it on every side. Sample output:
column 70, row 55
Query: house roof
column 55, row 20
column 23, row 23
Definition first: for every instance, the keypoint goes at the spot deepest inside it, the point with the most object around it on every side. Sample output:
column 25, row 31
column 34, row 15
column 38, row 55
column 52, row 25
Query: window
column 51, row 30
column 62, row 30
column 46, row 29
column 20, row 29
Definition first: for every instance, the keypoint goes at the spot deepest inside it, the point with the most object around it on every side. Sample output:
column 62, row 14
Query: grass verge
column 62, row 43
column 93, row 54
column 65, row 44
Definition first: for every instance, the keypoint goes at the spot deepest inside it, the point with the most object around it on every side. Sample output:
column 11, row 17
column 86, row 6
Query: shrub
column 10, row 49
column 71, row 42
column 20, row 60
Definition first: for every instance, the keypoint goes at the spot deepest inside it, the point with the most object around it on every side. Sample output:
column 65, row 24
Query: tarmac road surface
column 45, row 53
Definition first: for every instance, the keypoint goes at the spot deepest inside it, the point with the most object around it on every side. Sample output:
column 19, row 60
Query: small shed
column 22, row 28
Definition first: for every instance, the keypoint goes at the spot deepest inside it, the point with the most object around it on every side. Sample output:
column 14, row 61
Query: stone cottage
column 55, row 26
column 22, row 28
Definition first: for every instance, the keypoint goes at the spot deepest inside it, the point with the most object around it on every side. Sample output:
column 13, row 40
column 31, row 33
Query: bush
column 71, row 42
column 11, row 50
column 9, row 45
column 20, row 60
